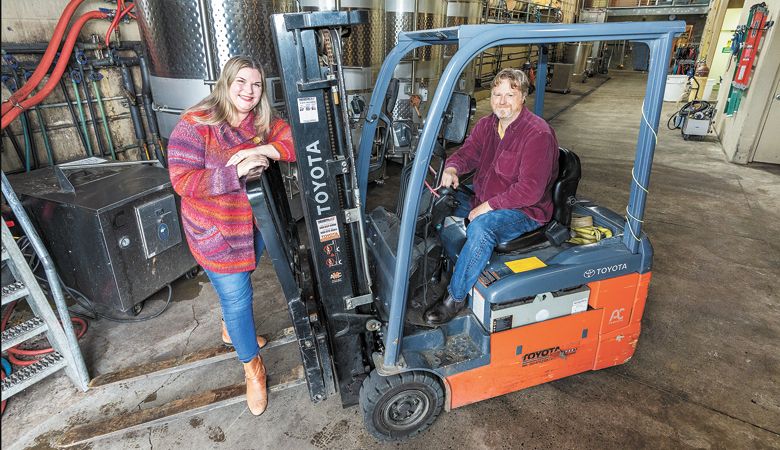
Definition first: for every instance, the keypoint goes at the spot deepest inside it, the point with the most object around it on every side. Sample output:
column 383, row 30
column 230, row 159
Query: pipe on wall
column 80, row 62
column 135, row 113
column 46, row 61
column 16, row 109
column 151, row 115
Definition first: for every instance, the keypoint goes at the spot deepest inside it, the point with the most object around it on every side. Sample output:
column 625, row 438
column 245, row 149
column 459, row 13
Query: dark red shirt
column 516, row 172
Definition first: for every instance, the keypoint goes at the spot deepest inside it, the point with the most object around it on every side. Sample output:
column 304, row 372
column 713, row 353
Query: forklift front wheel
column 400, row 406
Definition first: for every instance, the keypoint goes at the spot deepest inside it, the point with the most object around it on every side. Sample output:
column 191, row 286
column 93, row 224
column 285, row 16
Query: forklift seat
column 564, row 191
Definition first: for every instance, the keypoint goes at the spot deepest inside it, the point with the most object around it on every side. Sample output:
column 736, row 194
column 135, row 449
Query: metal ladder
column 66, row 354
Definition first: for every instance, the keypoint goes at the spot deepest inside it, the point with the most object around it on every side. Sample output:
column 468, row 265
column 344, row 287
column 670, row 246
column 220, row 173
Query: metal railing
column 644, row 3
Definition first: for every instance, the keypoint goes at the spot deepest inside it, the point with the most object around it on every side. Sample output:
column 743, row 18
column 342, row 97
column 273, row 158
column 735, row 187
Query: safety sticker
column 525, row 264
column 579, row 305
column 307, row 110
column 328, row 229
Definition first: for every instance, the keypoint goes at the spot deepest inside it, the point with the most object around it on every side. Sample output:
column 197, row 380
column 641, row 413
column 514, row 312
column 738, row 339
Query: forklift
column 356, row 281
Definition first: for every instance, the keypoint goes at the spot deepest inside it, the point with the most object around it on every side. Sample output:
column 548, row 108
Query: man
column 515, row 154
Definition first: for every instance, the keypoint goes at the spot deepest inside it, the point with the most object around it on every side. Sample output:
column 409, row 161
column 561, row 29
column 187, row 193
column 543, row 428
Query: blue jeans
column 235, row 297
column 482, row 236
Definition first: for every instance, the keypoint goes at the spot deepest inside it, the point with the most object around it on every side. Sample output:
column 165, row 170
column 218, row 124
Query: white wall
column 739, row 133
column 721, row 60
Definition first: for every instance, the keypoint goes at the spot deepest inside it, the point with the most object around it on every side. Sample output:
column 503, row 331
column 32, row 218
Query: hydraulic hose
column 15, row 351
column 44, row 133
column 46, row 143
column 56, row 74
column 135, row 113
column 73, row 116
column 15, row 145
column 46, row 60
column 82, row 117
column 28, row 150
column 31, row 150
column 103, row 116
column 90, row 106
column 151, row 115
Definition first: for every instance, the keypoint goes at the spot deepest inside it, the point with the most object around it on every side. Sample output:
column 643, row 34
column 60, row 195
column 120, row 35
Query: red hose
column 121, row 11
column 59, row 69
column 46, row 60
column 13, row 352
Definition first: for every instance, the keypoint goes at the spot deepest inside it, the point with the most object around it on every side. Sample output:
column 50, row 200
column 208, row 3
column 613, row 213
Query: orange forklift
column 357, row 281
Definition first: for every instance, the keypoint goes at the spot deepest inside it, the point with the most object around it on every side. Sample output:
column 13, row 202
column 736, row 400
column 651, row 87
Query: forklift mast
column 308, row 47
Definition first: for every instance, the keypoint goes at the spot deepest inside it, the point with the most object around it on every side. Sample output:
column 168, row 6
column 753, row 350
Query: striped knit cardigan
column 215, row 211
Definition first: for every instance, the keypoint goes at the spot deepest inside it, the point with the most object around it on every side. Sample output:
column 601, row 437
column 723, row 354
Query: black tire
column 400, row 406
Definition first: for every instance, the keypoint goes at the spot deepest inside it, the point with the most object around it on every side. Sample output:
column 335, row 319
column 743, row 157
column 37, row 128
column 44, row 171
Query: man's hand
column 479, row 210
column 449, row 178
column 254, row 164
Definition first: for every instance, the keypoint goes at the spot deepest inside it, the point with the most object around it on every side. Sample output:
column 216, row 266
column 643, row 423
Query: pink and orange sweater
column 215, row 211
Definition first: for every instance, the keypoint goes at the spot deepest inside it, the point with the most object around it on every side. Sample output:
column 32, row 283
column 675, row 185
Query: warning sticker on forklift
column 525, row 264
column 307, row 110
column 328, row 228
column 579, row 305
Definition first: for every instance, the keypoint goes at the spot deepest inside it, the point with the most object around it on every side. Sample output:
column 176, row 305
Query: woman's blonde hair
column 217, row 108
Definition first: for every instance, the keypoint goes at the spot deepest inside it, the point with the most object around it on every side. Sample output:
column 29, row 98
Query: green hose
column 105, row 119
column 46, row 143
column 27, row 143
column 82, row 117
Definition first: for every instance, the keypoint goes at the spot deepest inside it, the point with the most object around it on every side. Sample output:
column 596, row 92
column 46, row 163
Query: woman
column 217, row 145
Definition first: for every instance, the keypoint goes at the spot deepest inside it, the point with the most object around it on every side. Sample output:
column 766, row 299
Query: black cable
column 689, row 108
column 142, row 319
column 79, row 297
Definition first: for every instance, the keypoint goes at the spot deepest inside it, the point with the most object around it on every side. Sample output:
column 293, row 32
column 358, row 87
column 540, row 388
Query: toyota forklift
column 356, row 281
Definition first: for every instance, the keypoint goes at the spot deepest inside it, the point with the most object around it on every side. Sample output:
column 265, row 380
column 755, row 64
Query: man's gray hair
column 516, row 77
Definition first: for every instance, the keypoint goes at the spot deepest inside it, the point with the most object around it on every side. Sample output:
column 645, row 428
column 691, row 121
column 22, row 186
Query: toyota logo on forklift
column 605, row 270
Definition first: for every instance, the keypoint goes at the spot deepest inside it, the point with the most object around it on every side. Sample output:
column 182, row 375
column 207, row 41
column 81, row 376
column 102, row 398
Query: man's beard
column 503, row 113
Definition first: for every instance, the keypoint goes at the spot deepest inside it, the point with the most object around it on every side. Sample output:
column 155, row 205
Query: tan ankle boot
column 261, row 341
column 256, row 394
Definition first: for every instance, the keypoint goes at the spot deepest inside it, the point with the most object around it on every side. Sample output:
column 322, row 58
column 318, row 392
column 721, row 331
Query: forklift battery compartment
column 544, row 306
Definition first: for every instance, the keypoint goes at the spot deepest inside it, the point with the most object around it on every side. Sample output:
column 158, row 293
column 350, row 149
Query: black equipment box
column 114, row 232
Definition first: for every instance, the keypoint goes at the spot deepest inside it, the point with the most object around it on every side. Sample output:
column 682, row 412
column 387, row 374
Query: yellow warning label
column 525, row 264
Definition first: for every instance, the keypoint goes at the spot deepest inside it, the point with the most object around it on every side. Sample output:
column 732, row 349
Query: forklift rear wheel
column 400, row 406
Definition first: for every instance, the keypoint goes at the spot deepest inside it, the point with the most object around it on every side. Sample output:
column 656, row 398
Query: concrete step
column 22, row 332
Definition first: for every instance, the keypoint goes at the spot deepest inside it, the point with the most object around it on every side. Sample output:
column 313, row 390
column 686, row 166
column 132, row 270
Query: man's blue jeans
column 235, row 296
column 482, row 236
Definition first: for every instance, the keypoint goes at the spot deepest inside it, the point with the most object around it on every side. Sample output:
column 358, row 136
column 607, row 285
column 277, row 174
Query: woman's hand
column 268, row 151
column 254, row 164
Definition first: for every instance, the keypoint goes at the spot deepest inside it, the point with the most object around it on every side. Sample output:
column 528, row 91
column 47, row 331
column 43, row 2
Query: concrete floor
column 706, row 373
